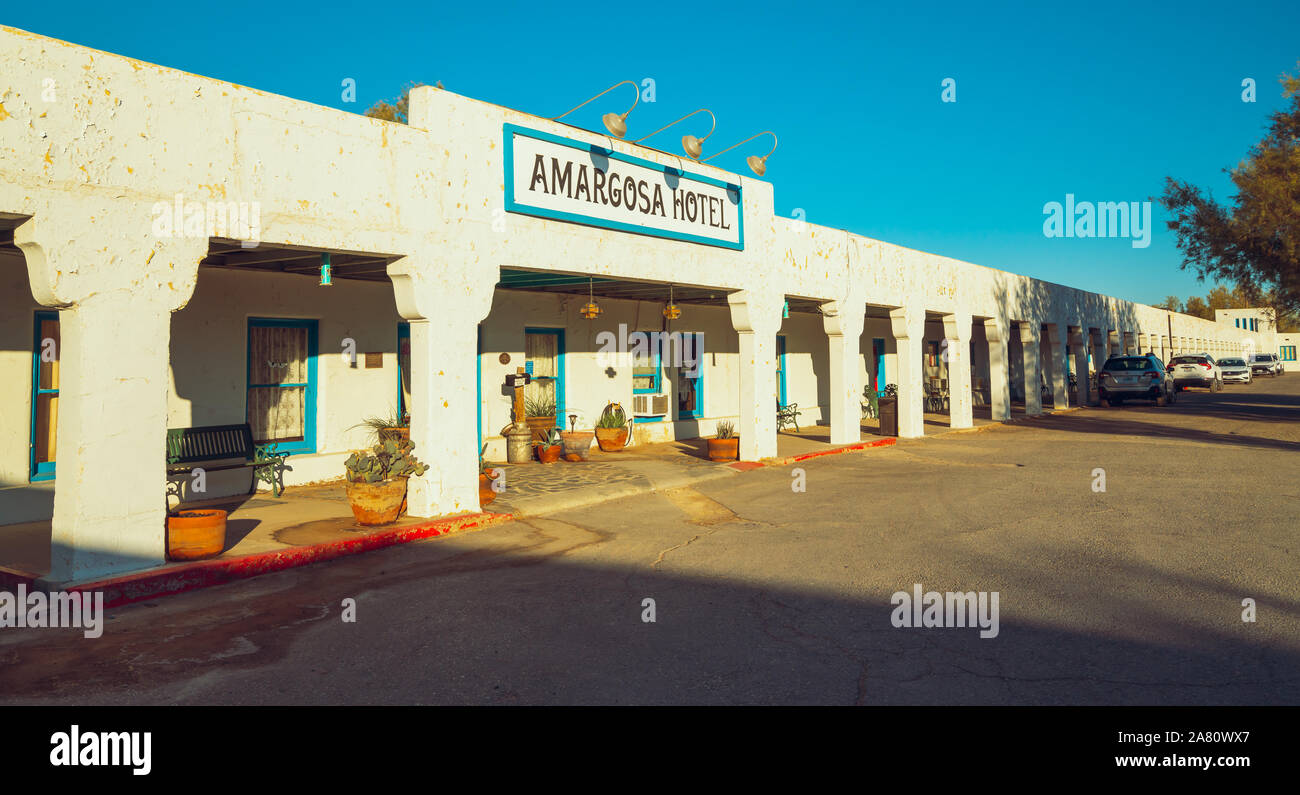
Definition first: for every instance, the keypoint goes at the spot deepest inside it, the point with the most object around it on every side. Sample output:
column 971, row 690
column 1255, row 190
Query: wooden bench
column 787, row 415
column 187, row 448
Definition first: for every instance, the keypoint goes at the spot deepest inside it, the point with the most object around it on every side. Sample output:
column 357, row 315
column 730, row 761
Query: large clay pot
column 377, row 503
column 548, row 455
column 396, row 434
column 540, row 426
column 486, row 493
column 724, row 449
column 195, row 534
column 576, row 444
column 611, row 440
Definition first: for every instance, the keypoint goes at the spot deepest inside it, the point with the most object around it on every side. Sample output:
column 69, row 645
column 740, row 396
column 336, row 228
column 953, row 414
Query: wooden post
column 519, row 400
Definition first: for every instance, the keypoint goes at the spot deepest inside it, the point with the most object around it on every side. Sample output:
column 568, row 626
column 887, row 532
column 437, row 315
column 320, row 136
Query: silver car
column 1235, row 369
column 1135, row 377
column 1196, row 369
column 1265, row 364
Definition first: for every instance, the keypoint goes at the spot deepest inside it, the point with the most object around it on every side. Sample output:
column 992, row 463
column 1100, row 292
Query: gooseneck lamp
column 694, row 147
column 756, row 164
column 614, row 122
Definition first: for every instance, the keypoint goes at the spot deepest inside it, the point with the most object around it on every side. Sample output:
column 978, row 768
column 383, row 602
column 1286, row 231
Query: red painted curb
column 144, row 585
column 745, row 466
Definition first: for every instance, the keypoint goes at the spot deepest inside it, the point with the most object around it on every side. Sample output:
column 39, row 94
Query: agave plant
column 612, row 417
column 726, row 429
column 385, row 461
column 539, row 406
column 552, row 438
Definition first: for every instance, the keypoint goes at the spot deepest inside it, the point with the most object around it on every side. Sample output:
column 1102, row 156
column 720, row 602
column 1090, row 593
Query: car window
column 1188, row 360
column 1129, row 363
column 1232, row 362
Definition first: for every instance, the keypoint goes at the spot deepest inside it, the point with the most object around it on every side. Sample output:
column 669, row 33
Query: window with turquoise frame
column 280, row 406
column 46, row 347
column 404, row 368
column 645, row 368
column 1288, row 353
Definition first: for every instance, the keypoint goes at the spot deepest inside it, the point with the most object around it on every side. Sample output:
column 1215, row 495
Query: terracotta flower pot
column 724, row 449
column 576, row 444
column 196, row 534
column 486, row 493
column 396, row 434
column 548, row 455
column 377, row 503
column 611, row 440
column 540, row 427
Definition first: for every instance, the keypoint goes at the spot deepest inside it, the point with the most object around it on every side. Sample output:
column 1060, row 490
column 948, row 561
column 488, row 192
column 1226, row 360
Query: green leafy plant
column 891, row 390
column 539, row 406
column 385, row 461
column 726, row 430
column 552, row 438
column 612, row 417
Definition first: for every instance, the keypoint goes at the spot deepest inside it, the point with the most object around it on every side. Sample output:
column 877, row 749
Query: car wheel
column 1104, row 403
column 1215, row 386
column 1161, row 400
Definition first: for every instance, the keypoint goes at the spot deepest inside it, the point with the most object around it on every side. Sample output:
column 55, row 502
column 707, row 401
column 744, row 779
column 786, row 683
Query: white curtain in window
column 277, row 382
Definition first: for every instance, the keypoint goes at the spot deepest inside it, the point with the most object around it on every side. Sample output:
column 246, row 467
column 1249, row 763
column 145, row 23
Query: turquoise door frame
column 560, row 404
column 404, row 333
column 308, row 443
column 698, row 410
column 780, row 363
column 43, row 470
column 878, row 350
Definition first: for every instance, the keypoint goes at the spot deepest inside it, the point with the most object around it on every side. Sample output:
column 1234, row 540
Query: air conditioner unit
column 649, row 405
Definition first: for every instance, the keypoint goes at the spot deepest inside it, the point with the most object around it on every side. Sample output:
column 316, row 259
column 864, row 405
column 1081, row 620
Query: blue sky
column 1100, row 100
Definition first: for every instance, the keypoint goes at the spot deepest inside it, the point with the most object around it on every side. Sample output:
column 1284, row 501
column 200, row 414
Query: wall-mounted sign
column 553, row 177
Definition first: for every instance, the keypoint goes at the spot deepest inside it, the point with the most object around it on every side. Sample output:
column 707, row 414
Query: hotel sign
column 553, row 177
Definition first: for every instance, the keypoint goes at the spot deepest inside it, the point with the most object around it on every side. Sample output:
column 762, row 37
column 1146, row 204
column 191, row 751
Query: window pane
column 49, row 346
column 277, row 355
column 277, row 414
column 47, row 418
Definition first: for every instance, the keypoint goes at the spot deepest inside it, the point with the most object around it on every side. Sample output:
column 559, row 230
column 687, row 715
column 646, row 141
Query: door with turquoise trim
column 780, row 370
column 46, row 348
column 878, row 350
column 544, row 361
column 404, row 368
column 690, row 378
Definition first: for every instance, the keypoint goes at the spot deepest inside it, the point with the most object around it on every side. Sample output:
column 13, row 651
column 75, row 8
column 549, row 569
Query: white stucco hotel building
column 470, row 238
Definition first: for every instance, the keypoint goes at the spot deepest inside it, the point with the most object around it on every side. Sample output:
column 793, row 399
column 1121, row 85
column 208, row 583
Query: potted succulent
column 576, row 443
column 394, row 425
column 376, row 480
column 539, row 415
column 486, row 475
column 550, row 448
column 726, row 445
column 611, row 429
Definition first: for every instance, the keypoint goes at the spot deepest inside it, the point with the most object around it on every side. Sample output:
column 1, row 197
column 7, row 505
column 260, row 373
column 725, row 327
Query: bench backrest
column 210, row 443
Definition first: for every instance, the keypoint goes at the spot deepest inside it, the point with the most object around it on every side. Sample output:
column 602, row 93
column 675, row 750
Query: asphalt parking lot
column 765, row 594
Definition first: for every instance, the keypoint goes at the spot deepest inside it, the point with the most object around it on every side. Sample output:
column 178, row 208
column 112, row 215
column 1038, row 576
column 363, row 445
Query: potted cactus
column 611, row 429
column 550, row 448
column 376, row 480
column 726, row 445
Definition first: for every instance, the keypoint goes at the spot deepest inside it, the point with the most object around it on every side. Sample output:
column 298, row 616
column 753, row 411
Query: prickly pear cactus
column 387, row 460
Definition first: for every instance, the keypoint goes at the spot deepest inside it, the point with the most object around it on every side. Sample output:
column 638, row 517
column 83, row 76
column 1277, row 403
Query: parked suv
column 1140, row 377
column 1265, row 364
column 1235, row 369
column 1196, row 369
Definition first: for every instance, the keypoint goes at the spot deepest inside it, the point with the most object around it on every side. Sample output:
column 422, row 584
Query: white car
column 1235, row 369
column 1266, row 364
column 1196, row 369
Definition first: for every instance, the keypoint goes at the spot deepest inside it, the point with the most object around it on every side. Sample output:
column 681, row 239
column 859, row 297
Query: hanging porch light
column 326, row 274
column 672, row 311
column 589, row 310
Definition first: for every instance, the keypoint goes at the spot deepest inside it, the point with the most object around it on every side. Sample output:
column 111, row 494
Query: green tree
column 1196, row 307
column 1172, row 302
column 1255, row 242
column 396, row 109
